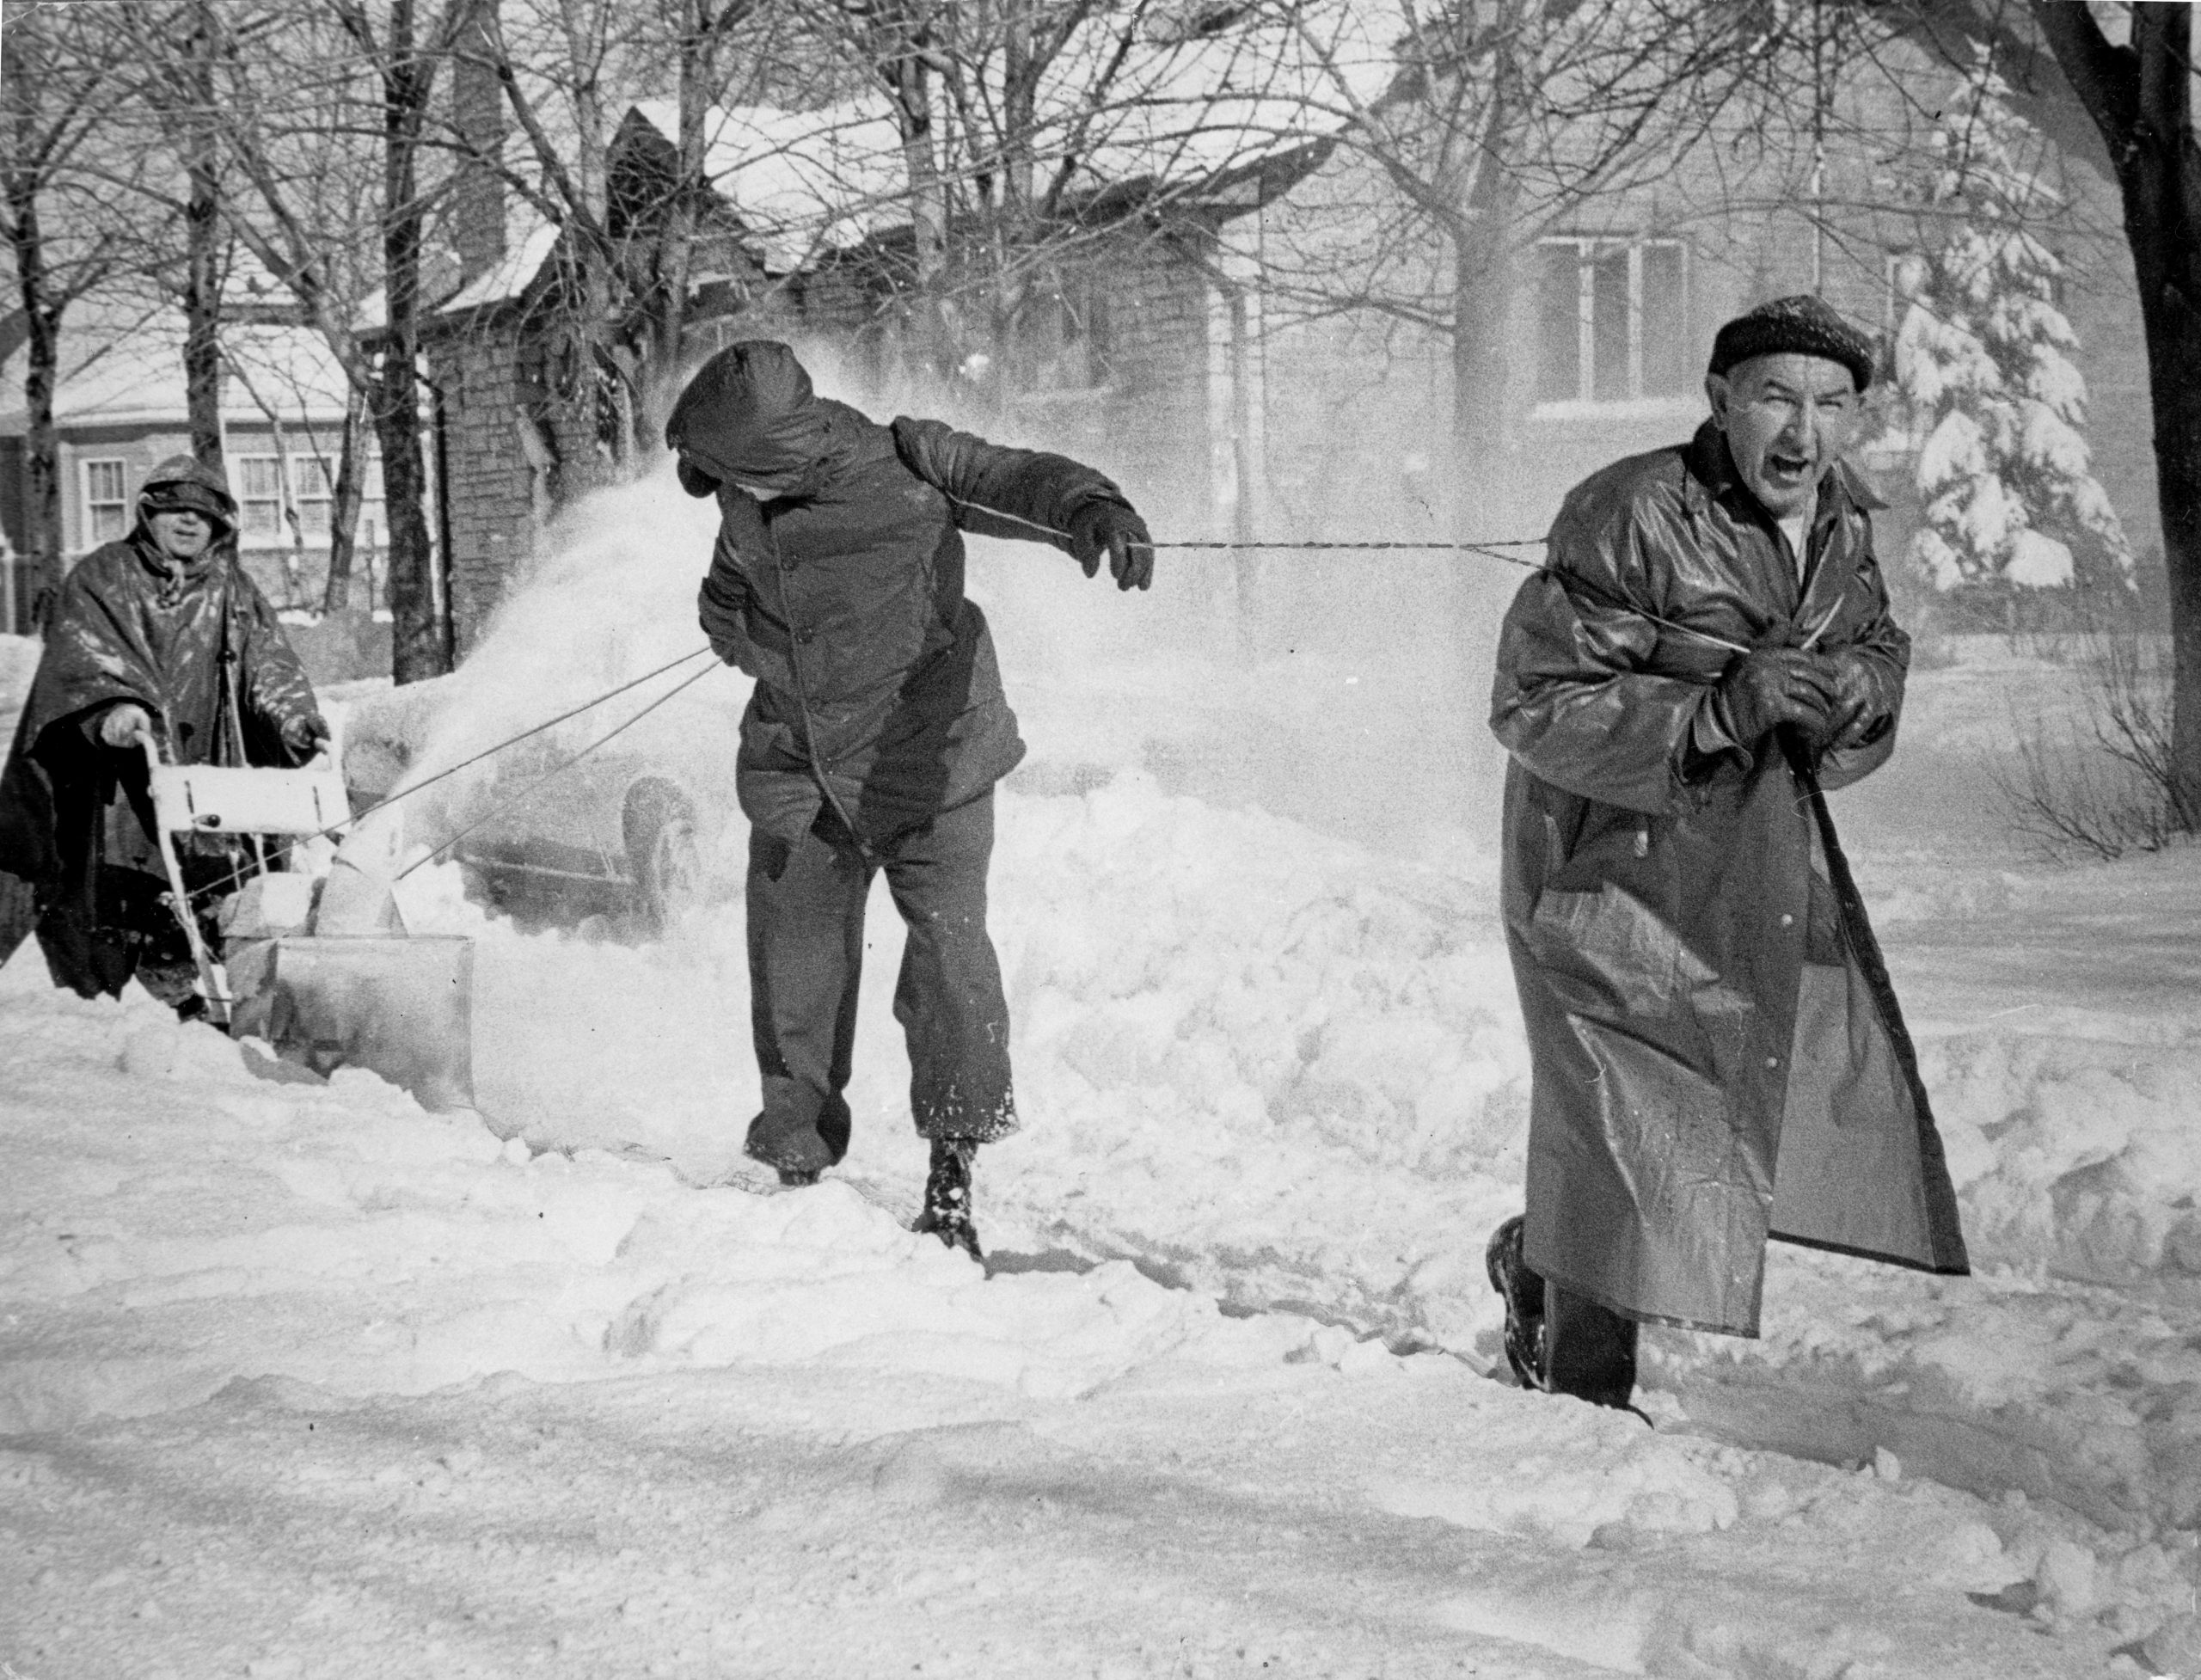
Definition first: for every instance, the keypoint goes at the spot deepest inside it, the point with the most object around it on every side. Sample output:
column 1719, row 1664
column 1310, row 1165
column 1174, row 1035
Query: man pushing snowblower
column 874, row 736
column 162, row 637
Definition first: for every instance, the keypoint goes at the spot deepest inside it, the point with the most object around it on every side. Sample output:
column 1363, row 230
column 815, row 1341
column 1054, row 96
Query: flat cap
column 1804, row 325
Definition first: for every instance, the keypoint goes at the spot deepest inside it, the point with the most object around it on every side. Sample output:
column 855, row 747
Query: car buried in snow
column 574, row 825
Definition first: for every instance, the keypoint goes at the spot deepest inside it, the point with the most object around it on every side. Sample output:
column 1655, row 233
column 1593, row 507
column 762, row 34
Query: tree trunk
column 420, row 630
column 203, row 266
column 910, row 84
column 343, row 509
column 1482, row 374
column 2140, row 98
column 1483, row 264
column 698, row 60
column 41, row 438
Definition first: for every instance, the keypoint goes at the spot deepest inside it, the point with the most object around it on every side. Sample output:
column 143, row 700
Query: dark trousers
column 1589, row 1349
column 806, row 958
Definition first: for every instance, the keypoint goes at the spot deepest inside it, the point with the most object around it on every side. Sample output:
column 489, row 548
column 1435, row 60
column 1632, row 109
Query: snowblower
column 321, row 968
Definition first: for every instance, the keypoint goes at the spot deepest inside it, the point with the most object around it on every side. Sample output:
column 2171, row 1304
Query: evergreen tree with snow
column 1985, row 372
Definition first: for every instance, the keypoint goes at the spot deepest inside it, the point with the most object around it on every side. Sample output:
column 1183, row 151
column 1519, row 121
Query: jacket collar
column 171, row 576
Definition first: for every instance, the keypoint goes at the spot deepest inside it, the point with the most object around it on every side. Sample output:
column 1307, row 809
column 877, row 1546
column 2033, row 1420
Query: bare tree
column 2139, row 94
column 1503, row 120
column 304, row 152
column 60, row 72
column 403, row 59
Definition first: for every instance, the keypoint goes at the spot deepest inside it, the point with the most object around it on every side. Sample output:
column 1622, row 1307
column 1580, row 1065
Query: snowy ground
column 297, row 1380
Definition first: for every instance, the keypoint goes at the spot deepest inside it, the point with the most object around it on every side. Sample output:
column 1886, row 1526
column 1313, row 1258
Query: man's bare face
column 182, row 534
column 1788, row 418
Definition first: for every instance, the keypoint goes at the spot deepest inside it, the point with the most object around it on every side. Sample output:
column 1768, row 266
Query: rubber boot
column 948, row 1196
column 1522, row 1291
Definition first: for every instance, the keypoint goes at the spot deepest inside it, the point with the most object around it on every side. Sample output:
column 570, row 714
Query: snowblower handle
column 214, row 979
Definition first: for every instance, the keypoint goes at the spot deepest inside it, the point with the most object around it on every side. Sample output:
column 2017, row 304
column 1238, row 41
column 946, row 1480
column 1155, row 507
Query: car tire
column 663, row 854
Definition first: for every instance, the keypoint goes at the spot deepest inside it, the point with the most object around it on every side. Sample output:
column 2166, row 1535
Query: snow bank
column 193, row 1213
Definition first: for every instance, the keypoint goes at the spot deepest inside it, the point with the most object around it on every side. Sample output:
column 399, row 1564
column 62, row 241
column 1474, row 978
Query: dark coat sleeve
column 995, row 491
column 742, row 632
column 273, row 688
column 1577, row 698
column 1879, row 643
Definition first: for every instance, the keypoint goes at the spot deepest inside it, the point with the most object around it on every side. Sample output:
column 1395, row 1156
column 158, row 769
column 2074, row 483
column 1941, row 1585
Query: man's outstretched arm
column 1032, row 495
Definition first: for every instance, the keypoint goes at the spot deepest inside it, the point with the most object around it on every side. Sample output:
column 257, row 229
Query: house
column 1613, row 303
column 119, row 408
column 1120, row 350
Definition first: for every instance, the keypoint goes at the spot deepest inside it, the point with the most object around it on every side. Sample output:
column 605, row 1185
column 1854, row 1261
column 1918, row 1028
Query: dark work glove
column 1859, row 714
column 1770, row 686
column 1111, row 528
column 305, row 735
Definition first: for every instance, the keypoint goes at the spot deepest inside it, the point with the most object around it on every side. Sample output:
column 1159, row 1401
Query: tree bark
column 41, row 438
column 203, row 265
column 420, row 628
column 908, row 82
column 1484, row 265
column 343, row 509
column 2140, row 96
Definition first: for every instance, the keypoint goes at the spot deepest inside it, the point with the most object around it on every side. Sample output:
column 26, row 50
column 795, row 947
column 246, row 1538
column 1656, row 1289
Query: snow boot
column 1522, row 1291
column 948, row 1196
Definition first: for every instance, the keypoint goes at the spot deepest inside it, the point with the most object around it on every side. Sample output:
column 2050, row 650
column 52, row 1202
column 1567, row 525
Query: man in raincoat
column 1717, row 1054
column 874, row 735
column 161, row 636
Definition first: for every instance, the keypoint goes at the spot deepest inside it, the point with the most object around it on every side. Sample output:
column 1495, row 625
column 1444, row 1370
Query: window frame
column 91, row 506
column 1588, row 248
column 286, row 496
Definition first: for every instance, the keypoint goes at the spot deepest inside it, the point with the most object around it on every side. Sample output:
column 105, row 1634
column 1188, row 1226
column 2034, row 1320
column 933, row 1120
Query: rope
column 1493, row 549
column 1490, row 549
column 556, row 770
column 222, row 883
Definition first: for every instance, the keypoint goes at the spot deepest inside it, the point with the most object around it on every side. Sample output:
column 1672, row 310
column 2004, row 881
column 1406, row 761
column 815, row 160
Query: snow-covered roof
column 523, row 258
column 1183, row 112
column 119, row 375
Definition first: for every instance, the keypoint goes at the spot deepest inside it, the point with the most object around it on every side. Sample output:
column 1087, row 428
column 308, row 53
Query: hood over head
column 749, row 416
column 183, row 484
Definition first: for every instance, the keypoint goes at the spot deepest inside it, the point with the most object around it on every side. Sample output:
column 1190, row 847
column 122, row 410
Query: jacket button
column 806, row 637
column 1787, row 921
column 1772, row 1061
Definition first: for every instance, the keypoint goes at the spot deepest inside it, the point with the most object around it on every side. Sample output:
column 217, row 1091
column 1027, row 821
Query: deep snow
column 299, row 1380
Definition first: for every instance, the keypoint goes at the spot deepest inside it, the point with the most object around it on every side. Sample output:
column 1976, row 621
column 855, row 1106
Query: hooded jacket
column 197, row 645
column 839, row 588
column 1718, row 1056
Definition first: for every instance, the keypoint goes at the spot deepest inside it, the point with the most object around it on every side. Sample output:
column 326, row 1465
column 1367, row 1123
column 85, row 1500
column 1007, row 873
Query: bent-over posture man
column 874, row 735
column 161, row 634
column 1717, row 1055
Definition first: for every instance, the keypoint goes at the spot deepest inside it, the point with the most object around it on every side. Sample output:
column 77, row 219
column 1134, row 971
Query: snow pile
column 194, row 1211
column 2074, row 1151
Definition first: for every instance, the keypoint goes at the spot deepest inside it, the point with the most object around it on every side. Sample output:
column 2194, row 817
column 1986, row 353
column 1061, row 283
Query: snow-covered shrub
column 1986, row 382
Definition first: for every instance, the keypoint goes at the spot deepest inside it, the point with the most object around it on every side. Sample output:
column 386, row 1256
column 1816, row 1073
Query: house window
column 258, row 480
column 1613, row 320
column 106, row 502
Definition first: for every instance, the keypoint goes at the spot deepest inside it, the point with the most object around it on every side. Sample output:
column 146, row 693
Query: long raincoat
column 877, row 685
column 197, row 645
column 1717, row 1053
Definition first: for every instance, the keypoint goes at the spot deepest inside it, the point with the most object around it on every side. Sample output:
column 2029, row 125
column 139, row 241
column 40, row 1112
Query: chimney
column 478, row 113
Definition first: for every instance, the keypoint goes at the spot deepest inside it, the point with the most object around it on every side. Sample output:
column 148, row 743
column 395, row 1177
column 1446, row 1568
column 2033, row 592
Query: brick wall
column 488, row 479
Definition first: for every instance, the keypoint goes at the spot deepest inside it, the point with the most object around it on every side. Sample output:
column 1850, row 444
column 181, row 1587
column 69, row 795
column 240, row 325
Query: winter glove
column 305, row 735
column 1859, row 715
column 1771, row 686
column 125, row 725
column 1111, row 528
